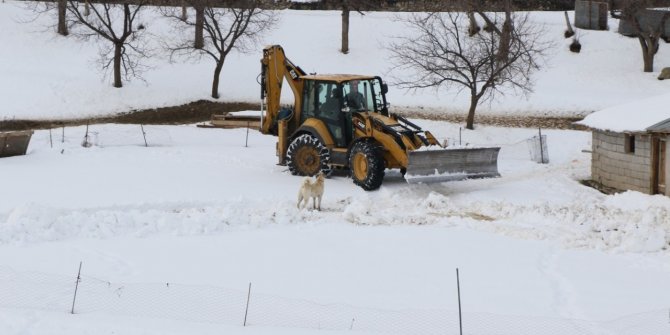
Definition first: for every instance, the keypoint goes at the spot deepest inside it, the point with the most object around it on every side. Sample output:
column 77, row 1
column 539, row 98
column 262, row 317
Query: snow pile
column 607, row 223
column 602, row 225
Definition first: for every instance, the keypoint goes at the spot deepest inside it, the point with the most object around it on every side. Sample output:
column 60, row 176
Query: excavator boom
column 275, row 67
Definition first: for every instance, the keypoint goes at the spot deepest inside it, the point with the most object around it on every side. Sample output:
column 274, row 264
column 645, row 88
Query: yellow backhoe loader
column 342, row 121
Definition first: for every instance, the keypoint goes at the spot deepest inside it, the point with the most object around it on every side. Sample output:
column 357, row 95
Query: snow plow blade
column 452, row 164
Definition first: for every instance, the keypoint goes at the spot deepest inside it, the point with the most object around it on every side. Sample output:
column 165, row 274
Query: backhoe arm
column 274, row 68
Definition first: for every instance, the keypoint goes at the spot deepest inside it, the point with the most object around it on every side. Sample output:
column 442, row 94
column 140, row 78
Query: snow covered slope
column 44, row 75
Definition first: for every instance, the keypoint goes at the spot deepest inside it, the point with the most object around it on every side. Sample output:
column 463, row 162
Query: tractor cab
column 333, row 98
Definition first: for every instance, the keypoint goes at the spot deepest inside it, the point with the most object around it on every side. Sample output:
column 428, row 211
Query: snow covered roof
column 637, row 116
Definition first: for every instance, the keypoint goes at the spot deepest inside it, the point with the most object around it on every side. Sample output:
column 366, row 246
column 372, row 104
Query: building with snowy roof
column 629, row 145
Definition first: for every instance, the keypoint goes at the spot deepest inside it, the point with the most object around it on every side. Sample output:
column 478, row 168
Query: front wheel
column 306, row 156
column 366, row 162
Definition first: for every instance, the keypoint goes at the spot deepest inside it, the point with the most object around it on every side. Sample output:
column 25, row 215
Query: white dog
column 313, row 190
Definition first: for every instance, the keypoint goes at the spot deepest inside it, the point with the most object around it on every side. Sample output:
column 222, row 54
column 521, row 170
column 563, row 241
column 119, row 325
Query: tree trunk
column 184, row 13
column 473, row 28
column 345, row 30
column 470, row 121
column 62, row 25
column 118, row 47
column 647, row 53
column 506, row 36
column 87, row 8
column 215, row 82
column 199, row 27
column 569, row 32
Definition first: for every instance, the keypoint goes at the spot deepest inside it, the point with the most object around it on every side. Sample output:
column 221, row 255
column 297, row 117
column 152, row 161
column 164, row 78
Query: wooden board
column 231, row 121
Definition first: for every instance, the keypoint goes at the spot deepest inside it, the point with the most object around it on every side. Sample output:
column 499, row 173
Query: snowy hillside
column 49, row 76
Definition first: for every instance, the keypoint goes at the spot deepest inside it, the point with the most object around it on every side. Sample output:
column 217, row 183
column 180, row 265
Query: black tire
column 306, row 156
column 366, row 161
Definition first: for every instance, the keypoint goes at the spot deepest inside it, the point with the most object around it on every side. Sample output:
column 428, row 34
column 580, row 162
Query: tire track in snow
column 565, row 297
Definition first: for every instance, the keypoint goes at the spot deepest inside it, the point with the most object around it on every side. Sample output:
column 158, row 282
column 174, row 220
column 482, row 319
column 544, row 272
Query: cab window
column 310, row 101
column 358, row 95
column 380, row 104
column 329, row 101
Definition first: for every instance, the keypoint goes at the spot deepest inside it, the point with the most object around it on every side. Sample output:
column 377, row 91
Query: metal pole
column 144, row 134
column 541, row 147
column 262, row 111
column 458, row 287
column 86, row 144
column 76, row 286
column 246, row 142
column 460, row 139
column 63, row 138
column 246, row 311
column 51, row 142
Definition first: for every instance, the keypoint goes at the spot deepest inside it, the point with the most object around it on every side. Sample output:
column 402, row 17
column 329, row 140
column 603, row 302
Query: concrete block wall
column 649, row 18
column 591, row 14
column 613, row 167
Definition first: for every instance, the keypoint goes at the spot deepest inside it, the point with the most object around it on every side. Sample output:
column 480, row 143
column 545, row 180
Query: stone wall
column 611, row 166
column 591, row 15
column 648, row 18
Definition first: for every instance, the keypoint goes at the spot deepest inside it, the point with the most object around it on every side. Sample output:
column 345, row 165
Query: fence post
column 144, row 134
column 541, row 147
column 458, row 288
column 86, row 143
column 246, row 310
column 246, row 142
column 51, row 142
column 76, row 286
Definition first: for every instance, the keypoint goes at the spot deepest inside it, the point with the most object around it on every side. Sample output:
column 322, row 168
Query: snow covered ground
column 198, row 208
column 171, row 235
column 65, row 74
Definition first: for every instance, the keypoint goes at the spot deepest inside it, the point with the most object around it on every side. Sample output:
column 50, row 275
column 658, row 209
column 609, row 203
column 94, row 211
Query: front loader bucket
column 452, row 164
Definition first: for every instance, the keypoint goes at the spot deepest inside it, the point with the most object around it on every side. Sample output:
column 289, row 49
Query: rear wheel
column 306, row 156
column 366, row 162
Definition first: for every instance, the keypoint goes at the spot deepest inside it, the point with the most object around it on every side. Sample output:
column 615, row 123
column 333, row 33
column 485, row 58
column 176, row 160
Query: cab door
column 329, row 99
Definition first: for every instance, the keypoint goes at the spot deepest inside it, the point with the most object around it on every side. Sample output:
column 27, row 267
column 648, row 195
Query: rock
column 665, row 74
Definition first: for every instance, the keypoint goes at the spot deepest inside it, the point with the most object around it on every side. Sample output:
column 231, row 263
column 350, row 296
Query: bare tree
column 347, row 6
column 62, row 25
column 441, row 53
column 345, row 27
column 225, row 29
column 569, row 32
column 199, row 40
column 114, row 23
column 648, row 33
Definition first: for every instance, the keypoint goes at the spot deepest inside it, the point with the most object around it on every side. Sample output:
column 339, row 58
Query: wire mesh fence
column 537, row 146
column 101, row 136
column 532, row 148
column 40, row 291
